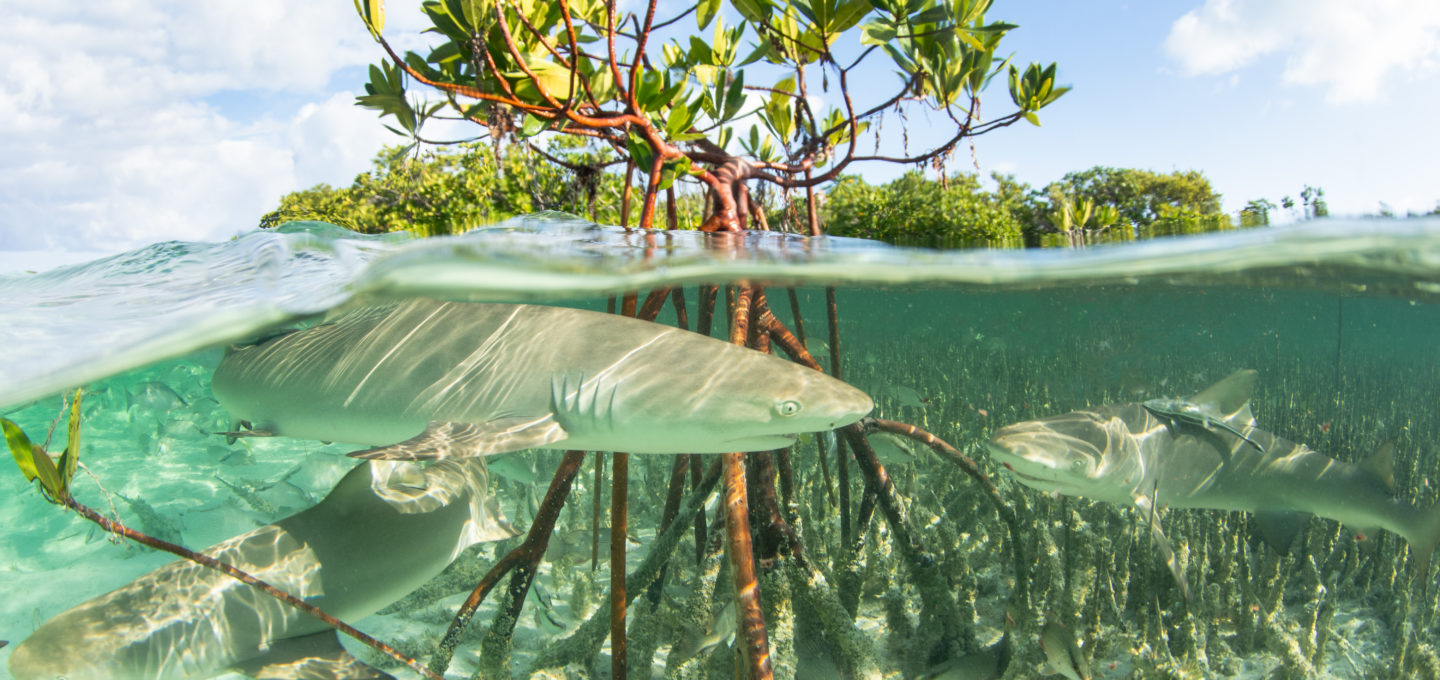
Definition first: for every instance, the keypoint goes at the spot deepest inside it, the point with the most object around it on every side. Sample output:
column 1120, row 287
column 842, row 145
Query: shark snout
column 850, row 407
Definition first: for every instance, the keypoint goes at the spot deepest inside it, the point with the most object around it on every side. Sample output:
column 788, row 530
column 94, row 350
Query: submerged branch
column 204, row 560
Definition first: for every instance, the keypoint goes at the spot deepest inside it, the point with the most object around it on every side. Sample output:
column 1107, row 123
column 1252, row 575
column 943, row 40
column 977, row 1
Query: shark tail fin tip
column 1422, row 546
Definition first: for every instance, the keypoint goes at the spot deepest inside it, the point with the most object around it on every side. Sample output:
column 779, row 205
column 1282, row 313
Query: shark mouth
column 1022, row 475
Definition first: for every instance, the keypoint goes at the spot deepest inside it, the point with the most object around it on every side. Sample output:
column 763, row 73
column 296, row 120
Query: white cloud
column 1353, row 49
column 131, row 122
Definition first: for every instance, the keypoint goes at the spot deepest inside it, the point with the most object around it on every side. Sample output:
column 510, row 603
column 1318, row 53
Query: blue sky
column 127, row 124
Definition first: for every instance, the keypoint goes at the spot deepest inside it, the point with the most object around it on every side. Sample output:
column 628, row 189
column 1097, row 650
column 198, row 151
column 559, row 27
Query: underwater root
column 525, row 558
column 585, row 642
column 952, row 454
column 119, row 529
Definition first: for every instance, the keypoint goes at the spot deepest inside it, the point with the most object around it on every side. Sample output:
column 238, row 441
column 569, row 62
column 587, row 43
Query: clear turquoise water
column 1339, row 318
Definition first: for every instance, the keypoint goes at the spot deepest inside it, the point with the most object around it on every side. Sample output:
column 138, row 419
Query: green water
column 1341, row 369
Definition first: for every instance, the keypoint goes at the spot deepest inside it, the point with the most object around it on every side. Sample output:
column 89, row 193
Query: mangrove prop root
column 587, row 638
column 527, row 556
column 654, row 302
column 204, row 560
column 695, row 475
column 813, row 595
column 677, row 297
column 747, row 591
column 737, row 529
column 672, row 506
column 775, row 537
column 595, row 509
column 935, row 594
column 620, row 478
column 842, row 463
column 950, row 453
column 795, row 312
column 706, row 320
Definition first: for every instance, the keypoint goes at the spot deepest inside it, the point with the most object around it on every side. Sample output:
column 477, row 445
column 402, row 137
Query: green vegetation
column 687, row 98
column 450, row 190
column 916, row 211
column 453, row 189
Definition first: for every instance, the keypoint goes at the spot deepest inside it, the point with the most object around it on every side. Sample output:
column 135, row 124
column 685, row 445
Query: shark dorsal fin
column 1381, row 464
column 1230, row 398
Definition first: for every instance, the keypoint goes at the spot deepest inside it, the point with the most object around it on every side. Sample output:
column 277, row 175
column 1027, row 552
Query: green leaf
column 532, row 126
column 671, row 168
column 49, row 476
column 705, row 12
column 20, row 448
column 640, row 152
column 33, row 461
column 550, row 75
column 679, row 121
column 878, row 32
column 1034, row 119
column 71, row 457
column 849, row 13
column 735, row 97
column 757, row 11
column 372, row 12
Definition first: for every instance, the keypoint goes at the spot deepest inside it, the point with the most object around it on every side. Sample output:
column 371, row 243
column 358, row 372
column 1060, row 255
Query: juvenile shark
column 1128, row 454
column 384, row 530
column 426, row 379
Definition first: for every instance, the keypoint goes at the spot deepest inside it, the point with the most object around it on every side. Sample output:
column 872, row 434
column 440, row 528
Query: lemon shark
column 426, row 379
column 1205, row 451
column 384, row 530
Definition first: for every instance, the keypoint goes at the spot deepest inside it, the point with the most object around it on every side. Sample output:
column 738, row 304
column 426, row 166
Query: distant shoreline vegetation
column 449, row 190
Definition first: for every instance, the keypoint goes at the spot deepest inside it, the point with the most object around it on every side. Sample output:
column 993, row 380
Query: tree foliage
column 723, row 104
column 451, row 190
column 1141, row 196
column 916, row 211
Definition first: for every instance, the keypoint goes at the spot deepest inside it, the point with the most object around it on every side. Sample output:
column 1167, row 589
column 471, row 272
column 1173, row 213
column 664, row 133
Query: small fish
column 154, row 397
column 984, row 665
column 515, row 467
column 891, row 448
column 1062, row 655
column 152, row 521
column 721, row 631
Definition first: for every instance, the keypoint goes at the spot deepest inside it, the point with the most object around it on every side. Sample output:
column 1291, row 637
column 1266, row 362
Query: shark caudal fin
column 1422, row 543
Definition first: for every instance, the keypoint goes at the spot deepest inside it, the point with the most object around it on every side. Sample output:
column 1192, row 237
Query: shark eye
column 788, row 408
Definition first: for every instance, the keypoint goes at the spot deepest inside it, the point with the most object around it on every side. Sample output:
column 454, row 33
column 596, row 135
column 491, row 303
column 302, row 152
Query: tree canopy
column 727, row 101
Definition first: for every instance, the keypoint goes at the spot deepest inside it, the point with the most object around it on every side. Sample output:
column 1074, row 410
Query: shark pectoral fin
column 312, row 657
column 1148, row 514
column 1279, row 527
column 456, row 440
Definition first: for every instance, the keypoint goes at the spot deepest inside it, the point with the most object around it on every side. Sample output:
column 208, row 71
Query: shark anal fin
column 459, row 440
column 1279, row 527
column 311, row 657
